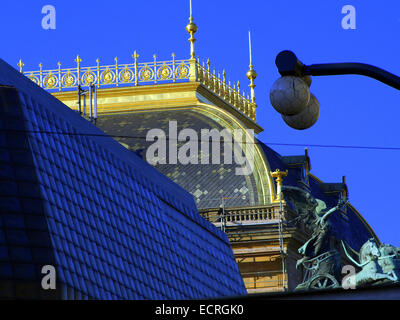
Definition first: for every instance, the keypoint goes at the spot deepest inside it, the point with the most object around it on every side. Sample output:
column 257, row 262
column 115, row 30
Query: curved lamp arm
column 288, row 64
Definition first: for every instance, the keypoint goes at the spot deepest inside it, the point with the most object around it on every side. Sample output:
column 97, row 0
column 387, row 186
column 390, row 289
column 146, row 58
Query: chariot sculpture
column 322, row 261
column 378, row 264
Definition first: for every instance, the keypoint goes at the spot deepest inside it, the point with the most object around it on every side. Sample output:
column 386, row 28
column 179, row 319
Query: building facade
column 262, row 224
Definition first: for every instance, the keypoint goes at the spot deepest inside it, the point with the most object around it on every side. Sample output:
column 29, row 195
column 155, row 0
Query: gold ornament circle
column 182, row 71
column 126, row 75
column 88, row 78
column 50, row 81
column 107, row 76
column 69, row 79
column 146, row 73
column 164, row 72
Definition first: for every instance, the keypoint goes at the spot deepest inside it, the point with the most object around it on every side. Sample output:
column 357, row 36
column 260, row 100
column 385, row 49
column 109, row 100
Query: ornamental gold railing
column 137, row 73
column 223, row 89
column 110, row 75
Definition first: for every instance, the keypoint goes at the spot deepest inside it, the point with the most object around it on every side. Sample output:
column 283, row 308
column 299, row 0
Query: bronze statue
column 320, row 259
column 378, row 263
column 319, row 242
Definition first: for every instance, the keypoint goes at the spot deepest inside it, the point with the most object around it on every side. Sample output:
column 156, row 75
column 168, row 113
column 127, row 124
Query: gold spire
column 191, row 28
column 251, row 75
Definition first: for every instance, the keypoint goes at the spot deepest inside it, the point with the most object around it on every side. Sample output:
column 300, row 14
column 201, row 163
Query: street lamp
column 290, row 94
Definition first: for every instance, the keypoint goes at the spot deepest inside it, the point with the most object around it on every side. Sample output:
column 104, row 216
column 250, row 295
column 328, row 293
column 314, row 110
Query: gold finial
column 279, row 175
column 20, row 65
column 40, row 73
column 191, row 28
column 98, row 72
column 251, row 74
column 135, row 56
column 78, row 60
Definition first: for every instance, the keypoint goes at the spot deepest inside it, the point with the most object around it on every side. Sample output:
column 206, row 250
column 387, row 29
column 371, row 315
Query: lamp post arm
column 288, row 64
column 329, row 69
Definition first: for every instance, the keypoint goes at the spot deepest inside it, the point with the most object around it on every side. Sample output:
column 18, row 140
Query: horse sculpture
column 377, row 263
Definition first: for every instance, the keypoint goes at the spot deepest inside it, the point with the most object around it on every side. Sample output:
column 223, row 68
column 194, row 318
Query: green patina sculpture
column 319, row 242
column 378, row 263
column 321, row 259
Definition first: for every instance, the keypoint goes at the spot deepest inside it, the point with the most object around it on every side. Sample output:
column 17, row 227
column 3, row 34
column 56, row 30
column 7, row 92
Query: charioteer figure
column 320, row 260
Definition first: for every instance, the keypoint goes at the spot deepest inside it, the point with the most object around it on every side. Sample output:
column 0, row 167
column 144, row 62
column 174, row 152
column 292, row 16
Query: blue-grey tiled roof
column 113, row 226
column 208, row 183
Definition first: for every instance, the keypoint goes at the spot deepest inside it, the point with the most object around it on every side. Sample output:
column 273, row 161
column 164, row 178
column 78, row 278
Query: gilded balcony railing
column 111, row 75
column 224, row 89
column 137, row 73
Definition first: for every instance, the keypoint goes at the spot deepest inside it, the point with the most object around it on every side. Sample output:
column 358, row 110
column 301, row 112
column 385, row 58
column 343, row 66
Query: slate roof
column 112, row 225
column 207, row 183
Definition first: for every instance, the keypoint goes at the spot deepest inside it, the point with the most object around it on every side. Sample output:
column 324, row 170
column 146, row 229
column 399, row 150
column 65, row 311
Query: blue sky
column 355, row 111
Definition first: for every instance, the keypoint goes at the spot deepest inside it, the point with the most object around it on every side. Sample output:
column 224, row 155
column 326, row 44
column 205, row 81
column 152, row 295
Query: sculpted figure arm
column 332, row 210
